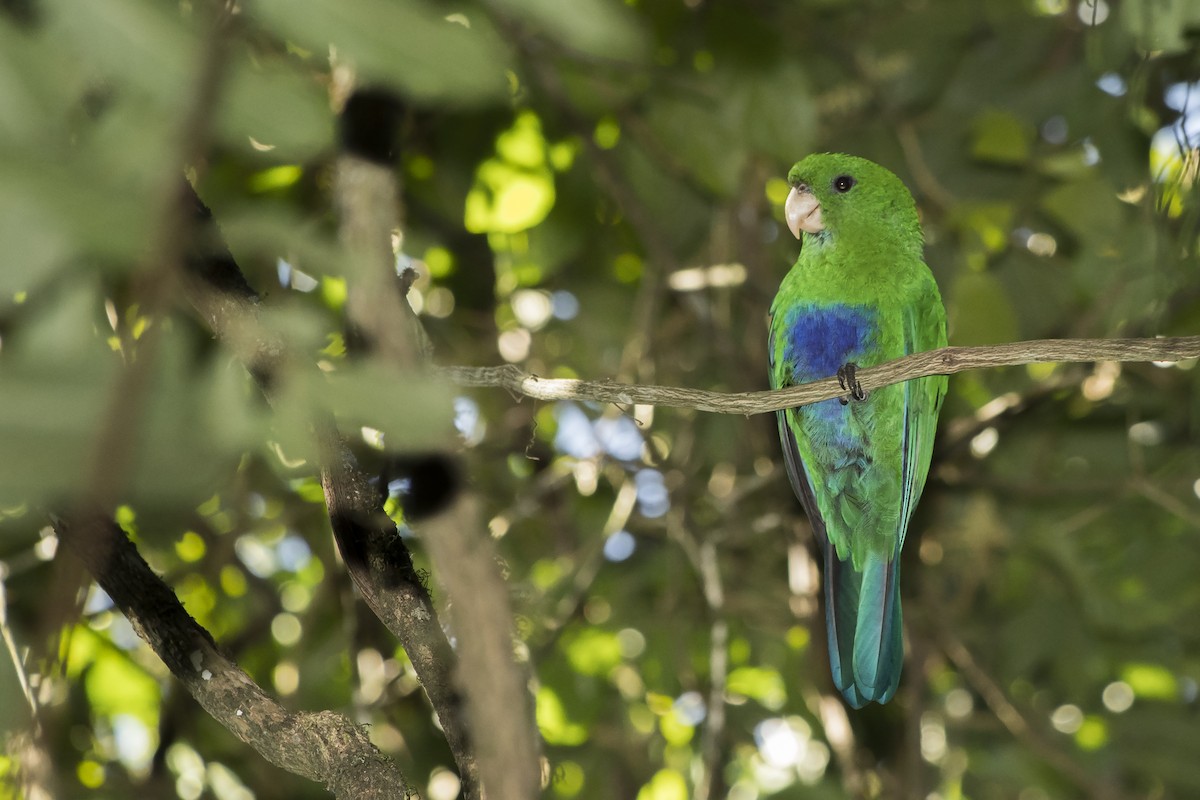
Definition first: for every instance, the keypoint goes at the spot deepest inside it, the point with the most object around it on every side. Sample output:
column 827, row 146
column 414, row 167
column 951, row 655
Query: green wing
column 924, row 329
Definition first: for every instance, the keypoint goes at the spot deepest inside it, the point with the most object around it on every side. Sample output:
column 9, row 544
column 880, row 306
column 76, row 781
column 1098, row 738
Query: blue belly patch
column 819, row 339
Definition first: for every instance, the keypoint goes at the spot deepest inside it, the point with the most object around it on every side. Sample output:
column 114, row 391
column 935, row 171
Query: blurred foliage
column 597, row 192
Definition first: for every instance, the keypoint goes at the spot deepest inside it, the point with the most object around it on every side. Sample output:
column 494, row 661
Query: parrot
column 858, row 295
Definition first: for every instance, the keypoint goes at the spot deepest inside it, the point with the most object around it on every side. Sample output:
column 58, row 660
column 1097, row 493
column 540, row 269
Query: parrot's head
column 835, row 195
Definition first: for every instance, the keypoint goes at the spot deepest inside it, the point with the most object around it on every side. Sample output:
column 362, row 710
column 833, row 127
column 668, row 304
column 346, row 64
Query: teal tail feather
column 862, row 615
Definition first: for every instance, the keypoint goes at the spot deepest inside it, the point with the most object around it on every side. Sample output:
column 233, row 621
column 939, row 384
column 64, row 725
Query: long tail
column 862, row 615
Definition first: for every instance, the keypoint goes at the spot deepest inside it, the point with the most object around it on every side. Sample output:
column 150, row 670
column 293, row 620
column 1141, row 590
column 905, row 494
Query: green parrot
column 859, row 294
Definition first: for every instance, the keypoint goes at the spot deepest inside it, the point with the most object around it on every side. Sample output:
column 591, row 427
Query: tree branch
column 502, row 732
column 945, row 361
column 321, row 746
column 376, row 558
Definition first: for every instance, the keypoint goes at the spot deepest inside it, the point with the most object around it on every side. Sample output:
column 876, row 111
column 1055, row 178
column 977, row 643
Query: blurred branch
column 927, row 182
column 153, row 282
column 322, row 746
column 701, row 552
column 377, row 559
column 504, row 739
column 1011, row 718
column 945, row 361
column 18, row 662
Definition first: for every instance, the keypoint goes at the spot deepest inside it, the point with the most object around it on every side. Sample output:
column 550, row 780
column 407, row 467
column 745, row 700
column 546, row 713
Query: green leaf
column 55, row 379
column 781, row 117
column 980, row 311
column 276, row 106
column 595, row 27
column 552, row 720
column 146, row 47
column 702, row 139
column 413, row 412
column 763, row 684
column 667, row 784
column 1001, row 138
column 407, row 44
column 1160, row 26
column 1151, row 681
column 116, row 685
column 1088, row 208
column 593, row 651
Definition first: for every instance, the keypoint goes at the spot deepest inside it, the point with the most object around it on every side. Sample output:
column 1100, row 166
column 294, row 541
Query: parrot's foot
column 848, row 381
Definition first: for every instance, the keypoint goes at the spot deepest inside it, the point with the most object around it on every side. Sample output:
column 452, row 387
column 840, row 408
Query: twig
column 945, row 361
column 712, row 785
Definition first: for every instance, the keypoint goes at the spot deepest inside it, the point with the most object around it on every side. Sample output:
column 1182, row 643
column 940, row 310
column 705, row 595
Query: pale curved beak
column 803, row 212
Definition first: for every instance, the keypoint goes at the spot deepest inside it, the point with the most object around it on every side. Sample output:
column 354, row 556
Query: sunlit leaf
column 667, row 784
column 553, row 721
column 1151, row 681
column 1001, row 137
column 593, row 651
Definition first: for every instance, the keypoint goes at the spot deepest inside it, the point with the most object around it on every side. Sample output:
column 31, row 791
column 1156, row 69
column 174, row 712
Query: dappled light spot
column 532, row 308
column 1092, row 12
column 959, row 703
column 1100, row 384
column 619, row 437
column 1146, row 433
column 443, row 785
column 694, row 279
column 1050, row 7
column 652, row 495
column 286, row 678
column 256, row 556
column 564, row 305
column 292, row 552
column 984, row 442
column 632, row 642
column 933, row 737
column 1118, row 697
column 439, row 302
column 1112, row 84
column 619, row 546
column 1067, row 718
column 574, row 436
column 286, row 629
column 690, row 708
column 468, row 421
column 1041, row 244
column 789, row 751
column 1054, row 130
column 514, row 345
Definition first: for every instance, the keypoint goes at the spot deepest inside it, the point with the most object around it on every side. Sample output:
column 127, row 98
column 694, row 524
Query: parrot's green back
column 859, row 293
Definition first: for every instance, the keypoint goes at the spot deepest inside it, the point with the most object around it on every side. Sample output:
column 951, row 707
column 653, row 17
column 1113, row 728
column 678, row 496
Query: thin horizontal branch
column 945, row 361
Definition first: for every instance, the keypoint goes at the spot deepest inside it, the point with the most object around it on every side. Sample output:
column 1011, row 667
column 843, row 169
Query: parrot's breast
column 817, row 341
column 820, row 339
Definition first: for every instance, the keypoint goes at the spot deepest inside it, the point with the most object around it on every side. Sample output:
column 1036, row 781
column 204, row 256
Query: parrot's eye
column 843, row 184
